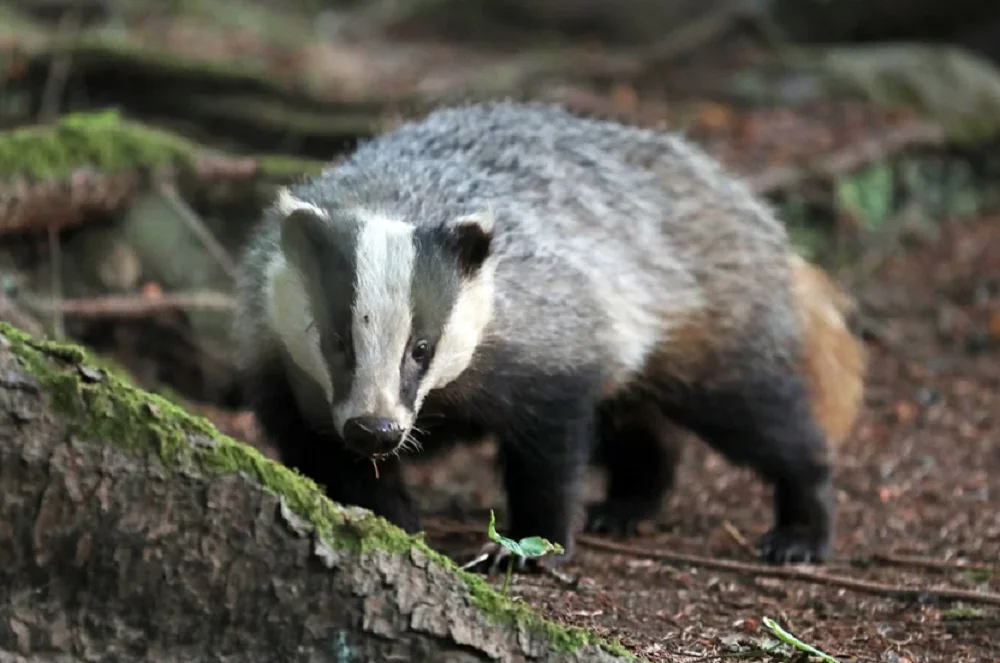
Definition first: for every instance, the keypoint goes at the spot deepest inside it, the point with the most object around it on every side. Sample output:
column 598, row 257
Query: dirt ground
column 918, row 493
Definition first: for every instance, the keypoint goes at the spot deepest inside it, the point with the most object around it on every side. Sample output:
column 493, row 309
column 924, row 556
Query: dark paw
column 494, row 558
column 617, row 518
column 788, row 546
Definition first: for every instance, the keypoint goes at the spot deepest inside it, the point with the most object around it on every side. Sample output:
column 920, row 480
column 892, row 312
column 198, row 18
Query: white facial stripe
column 286, row 203
column 289, row 315
column 385, row 255
column 461, row 335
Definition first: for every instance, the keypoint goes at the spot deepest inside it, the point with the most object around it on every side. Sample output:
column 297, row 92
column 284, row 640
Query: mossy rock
column 102, row 406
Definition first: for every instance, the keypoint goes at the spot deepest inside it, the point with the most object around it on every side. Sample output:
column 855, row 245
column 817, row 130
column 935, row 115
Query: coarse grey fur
column 598, row 225
column 618, row 255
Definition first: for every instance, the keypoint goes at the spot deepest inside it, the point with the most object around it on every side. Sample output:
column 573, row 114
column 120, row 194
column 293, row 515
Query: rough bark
column 144, row 546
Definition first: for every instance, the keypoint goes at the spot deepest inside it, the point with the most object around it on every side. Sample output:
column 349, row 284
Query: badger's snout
column 372, row 436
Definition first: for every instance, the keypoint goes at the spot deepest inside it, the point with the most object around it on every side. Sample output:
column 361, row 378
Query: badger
column 576, row 289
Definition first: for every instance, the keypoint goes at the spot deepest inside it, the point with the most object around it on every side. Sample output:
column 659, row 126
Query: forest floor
column 918, row 481
column 918, row 495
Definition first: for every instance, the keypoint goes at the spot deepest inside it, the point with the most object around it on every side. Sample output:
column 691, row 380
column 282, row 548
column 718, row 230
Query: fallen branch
column 186, row 545
column 913, row 133
column 197, row 226
column 129, row 306
column 797, row 574
column 931, row 564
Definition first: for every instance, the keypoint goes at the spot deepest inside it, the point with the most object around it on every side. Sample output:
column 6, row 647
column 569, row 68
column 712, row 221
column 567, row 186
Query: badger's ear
column 470, row 239
column 302, row 230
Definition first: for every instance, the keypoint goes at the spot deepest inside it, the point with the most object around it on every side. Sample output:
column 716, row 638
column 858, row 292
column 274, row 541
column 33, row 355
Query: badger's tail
column 833, row 356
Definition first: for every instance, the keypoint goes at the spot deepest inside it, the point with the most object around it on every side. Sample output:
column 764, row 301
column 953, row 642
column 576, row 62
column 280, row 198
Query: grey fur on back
column 625, row 231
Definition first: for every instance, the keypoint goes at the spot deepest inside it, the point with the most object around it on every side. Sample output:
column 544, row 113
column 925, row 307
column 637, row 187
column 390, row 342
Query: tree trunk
column 132, row 531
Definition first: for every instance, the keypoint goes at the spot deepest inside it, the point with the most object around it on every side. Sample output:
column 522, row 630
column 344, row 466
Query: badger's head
column 379, row 311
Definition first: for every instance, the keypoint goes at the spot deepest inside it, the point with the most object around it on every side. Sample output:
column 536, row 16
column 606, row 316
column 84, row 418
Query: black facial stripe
column 331, row 293
column 434, row 289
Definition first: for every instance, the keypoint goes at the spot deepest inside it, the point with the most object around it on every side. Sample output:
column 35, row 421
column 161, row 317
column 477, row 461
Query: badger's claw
column 617, row 518
column 790, row 546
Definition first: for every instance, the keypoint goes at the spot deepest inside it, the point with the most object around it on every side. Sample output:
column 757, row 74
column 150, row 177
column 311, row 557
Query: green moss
column 104, row 407
column 963, row 612
column 108, row 143
column 561, row 638
column 98, row 140
column 114, row 410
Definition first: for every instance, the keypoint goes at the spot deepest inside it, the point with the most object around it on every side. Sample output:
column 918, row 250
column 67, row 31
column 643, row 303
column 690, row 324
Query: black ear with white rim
column 470, row 239
column 303, row 226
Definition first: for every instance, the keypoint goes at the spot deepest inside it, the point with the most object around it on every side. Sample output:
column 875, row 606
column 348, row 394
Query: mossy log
column 60, row 174
column 130, row 530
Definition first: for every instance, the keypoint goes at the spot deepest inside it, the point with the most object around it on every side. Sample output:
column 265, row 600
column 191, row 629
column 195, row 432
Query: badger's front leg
column 345, row 477
column 543, row 459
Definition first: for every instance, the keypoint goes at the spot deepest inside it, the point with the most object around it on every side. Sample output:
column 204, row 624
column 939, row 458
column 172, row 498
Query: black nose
column 372, row 435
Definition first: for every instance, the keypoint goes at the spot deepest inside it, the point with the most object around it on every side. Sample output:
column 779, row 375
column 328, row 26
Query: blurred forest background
column 139, row 140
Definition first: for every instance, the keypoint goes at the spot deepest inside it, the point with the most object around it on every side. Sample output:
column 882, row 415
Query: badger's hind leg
column 767, row 422
column 639, row 448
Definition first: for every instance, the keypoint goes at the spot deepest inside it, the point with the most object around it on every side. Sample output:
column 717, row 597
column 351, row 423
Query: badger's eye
column 336, row 344
column 420, row 351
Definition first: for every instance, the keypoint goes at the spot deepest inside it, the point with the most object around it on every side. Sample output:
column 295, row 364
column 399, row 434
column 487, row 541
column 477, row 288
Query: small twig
column 59, row 70
column 928, row 563
column 198, row 227
column 738, row 537
column 799, row 574
column 568, row 581
column 122, row 306
column 724, row 655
